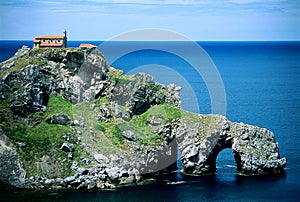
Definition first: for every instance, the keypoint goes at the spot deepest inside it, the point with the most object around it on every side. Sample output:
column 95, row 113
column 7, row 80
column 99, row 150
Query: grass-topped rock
column 67, row 119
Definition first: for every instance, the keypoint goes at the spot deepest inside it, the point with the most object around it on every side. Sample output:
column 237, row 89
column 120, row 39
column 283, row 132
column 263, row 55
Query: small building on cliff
column 50, row 41
column 87, row 45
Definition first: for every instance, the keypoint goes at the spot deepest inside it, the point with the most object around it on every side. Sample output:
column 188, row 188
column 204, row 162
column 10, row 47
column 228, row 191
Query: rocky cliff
column 67, row 119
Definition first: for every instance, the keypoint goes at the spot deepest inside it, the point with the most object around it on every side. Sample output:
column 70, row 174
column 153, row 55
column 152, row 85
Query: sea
column 257, row 83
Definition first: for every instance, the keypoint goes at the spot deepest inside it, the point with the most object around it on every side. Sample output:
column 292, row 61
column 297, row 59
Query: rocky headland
column 69, row 120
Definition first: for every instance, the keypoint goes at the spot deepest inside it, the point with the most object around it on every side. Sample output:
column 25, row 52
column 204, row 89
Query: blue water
column 262, row 85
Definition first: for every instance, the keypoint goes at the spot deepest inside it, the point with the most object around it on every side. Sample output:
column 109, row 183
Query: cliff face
column 70, row 120
column 34, row 75
column 11, row 172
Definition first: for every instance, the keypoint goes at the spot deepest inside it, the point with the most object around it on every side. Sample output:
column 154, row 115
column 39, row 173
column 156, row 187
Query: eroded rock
column 254, row 149
column 79, row 76
column 11, row 172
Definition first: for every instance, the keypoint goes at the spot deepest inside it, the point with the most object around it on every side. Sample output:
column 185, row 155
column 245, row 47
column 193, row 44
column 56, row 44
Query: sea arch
column 201, row 160
column 254, row 149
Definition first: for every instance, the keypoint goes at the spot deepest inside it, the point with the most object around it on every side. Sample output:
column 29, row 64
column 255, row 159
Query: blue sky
column 198, row 20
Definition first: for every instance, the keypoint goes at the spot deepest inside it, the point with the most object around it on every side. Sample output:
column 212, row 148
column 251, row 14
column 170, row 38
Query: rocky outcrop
column 59, row 119
column 139, row 92
column 115, row 130
column 11, row 171
column 254, row 149
column 67, row 147
column 31, row 93
column 77, row 75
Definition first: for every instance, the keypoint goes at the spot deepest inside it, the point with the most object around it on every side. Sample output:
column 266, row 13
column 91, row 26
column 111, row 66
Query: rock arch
column 254, row 149
column 219, row 147
column 225, row 162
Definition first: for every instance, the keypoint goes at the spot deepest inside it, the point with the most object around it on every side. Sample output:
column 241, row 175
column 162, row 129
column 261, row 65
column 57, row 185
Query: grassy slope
column 106, row 138
column 42, row 155
column 42, row 140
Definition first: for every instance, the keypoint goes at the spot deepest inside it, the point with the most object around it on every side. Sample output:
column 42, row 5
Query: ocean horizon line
column 164, row 40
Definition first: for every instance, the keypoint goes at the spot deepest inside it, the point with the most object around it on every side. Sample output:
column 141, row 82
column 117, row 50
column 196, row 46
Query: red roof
column 87, row 45
column 50, row 37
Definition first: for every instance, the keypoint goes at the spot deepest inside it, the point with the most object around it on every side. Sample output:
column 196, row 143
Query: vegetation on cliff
column 76, row 122
column 95, row 127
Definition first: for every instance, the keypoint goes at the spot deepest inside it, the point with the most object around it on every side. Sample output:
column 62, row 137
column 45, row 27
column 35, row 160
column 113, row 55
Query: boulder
column 60, row 119
column 22, row 51
column 113, row 173
column 100, row 158
column 22, row 144
column 85, row 161
column 67, row 147
column 118, row 111
column 129, row 135
column 49, row 181
column 91, row 185
column 154, row 121
column 70, row 155
column 71, row 138
column 126, row 116
column 130, row 180
column 106, row 112
column 74, row 165
column 69, row 179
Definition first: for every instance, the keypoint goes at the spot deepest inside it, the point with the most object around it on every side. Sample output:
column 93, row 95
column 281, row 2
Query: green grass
column 154, row 87
column 42, row 140
column 104, row 100
column 58, row 105
column 107, row 137
column 114, row 134
column 118, row 77
column 121, row 81
column 46, row 139
column 141, row 120
column 207, row 124
column 100, row 127
column 172, row 113
column 144, row 132
column 153, row 140
column 164, row 111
